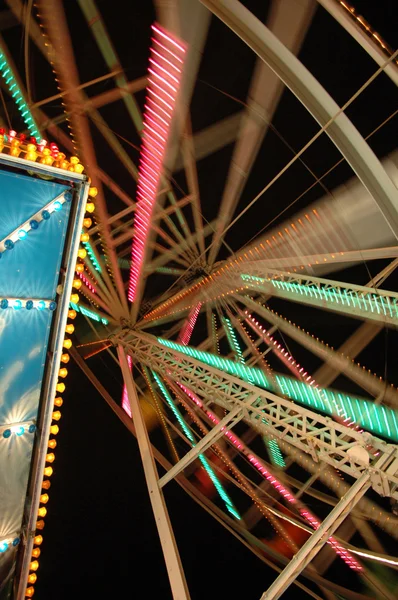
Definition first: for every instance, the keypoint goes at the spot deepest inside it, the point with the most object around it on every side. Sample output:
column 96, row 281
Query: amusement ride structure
column 208, row 336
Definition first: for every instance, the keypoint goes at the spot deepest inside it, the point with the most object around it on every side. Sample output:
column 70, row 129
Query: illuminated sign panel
column 40, row 222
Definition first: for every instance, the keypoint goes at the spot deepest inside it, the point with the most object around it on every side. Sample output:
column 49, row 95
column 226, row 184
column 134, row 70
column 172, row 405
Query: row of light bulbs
column 58, row 402
column 42, row 152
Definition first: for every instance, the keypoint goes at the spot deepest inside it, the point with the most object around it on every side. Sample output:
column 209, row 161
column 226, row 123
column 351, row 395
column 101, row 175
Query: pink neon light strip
column 290, row 363
column 167, row 57
column 187, row 329
column 125, row 398
column 348, row 558
column 87, row 283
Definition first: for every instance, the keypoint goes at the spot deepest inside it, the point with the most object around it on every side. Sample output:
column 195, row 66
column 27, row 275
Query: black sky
column 100, row 539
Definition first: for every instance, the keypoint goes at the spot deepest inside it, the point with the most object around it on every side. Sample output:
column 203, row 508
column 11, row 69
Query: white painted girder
column 322, row 438
column 357, row 301
column 368, row 381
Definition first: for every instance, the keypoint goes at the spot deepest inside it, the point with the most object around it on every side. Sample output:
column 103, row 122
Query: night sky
column 100, row 539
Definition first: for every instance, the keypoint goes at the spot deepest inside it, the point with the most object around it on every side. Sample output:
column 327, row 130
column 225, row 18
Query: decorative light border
column 7, row 430
column 166, row 62
column 27, row 303
column 39, row 152
column 32, row 224
column 56, row 416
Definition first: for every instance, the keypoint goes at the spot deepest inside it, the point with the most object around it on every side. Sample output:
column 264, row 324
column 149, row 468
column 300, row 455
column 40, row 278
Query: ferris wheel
column 211, row 306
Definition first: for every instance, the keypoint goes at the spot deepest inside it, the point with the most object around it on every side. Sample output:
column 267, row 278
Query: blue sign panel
column 34, row 227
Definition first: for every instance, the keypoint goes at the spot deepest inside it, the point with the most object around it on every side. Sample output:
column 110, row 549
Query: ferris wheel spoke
column 353, row 300
column 54, row 18
column 163, row 260
column 308, row 90
column 193, row 184
column 366, row 380
column 101, row 36
column 360, row 339
column 263, row 97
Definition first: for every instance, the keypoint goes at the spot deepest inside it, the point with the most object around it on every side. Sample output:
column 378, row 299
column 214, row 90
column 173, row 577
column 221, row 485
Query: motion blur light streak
column 155, row 136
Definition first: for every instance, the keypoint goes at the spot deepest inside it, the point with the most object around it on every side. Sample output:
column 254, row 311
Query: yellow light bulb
column 36, row 551
column 63, row 372
column 75, row 298
column 67, row 344
column 50, row 457
column 32, row 578
column 54, row 429
column 42, row 512
column 34, row 565
column 60, row 387
column 30, row 591
column 46, row 484
column 77, row 284
column 56, row 415
column 40, row 524
column 74, row 160
column 70, row 328
column 79, row 268
column 31, row 153
column 84, row 237
column 38, row 540
column 92, row 192
column 52, row 444
column 87, row 222
column 82, row 253
column 72, row 313
column 44, row 498
column 90, row 207
column 48, row 471
column 58, row 401
column 65, row 358
column 79, row 168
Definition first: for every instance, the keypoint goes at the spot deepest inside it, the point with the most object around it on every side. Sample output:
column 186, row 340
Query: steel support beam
column 169, row 546
column 306, row 430
column 213, row 138
column 208, row 440
column 318, row 539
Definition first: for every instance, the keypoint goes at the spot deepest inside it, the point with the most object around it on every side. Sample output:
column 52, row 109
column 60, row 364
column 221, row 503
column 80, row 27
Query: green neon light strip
column 372, row 417
column 274, row 451
column 168, row 271
column 92, row 256
column 369, row 303
column 16, row 94
column 228, row 502
column 87, row 312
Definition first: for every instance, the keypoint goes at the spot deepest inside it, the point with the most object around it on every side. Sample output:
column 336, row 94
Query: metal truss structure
column 204, row 342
